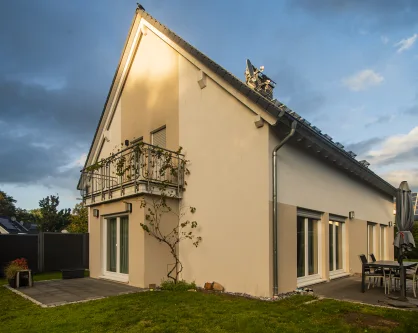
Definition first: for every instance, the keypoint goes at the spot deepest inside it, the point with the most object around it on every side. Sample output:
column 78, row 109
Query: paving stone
column 61, row 292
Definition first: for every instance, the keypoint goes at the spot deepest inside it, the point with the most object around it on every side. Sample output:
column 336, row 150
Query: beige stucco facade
column 230, row 182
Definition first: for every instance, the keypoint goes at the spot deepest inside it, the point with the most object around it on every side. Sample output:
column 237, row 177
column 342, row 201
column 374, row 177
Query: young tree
column 79, row 219
column 52, row 220
column 157, row 210
column 7, row 205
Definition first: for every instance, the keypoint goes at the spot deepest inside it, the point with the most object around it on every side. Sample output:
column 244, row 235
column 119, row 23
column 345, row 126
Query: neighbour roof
column 12, row 227
column 306, row 134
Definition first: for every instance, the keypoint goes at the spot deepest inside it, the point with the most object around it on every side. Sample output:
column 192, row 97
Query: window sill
column 308, row 282
column 333, row 276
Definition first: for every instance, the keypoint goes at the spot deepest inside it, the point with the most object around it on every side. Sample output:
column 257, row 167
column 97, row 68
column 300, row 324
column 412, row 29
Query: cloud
column 381, row 120
column 362, row 147
column 396, row 149
column 377, row 14
column 406, row 44
column 384, row 39
column 395, row 177
column 362, row 80
column 56, row 68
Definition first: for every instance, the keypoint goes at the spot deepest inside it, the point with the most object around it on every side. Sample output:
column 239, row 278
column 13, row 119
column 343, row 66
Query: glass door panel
column 124, row 245
column 111, row 245
column 301, row 246
column 331, row 245
column 312, row 247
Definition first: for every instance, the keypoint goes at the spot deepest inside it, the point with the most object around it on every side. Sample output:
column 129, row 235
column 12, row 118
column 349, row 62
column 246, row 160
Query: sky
column 350, row 67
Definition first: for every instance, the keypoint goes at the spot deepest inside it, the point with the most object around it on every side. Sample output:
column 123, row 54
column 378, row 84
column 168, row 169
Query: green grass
column 198, row 312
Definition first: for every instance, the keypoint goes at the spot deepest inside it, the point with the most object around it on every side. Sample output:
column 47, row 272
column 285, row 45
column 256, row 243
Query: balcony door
column 115, row 245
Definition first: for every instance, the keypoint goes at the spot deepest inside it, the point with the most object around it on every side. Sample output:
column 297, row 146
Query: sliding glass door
column 307, row 248
column 371, row 247
column 382, row 252
column 336, row 247
column 116, row 247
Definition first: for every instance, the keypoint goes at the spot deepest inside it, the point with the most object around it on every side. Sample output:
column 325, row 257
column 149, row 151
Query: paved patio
column 61, row 292
column 349, row 289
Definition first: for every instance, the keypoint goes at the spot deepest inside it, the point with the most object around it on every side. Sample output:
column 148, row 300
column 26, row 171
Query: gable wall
column 150, row 96
column 228, row 186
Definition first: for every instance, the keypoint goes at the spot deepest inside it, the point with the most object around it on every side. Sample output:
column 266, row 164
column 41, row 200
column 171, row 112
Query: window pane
column 339, row 245
column 301, row 246
column 312, row 247
column 370, row 238
column 124, row 245
column 331, row 246
column 382, row 243
column 111, row 245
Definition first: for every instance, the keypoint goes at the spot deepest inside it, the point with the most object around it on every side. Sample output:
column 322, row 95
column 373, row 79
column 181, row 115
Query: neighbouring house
column 11, row 226
column 415, row 203
column 330, row 206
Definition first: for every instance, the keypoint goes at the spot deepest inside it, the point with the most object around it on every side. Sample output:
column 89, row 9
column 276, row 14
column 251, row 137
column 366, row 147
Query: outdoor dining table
column 384, row 264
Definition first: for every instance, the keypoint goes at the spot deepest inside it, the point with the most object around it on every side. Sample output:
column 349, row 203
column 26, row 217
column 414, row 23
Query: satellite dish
column 13, row 219
column 250, row 68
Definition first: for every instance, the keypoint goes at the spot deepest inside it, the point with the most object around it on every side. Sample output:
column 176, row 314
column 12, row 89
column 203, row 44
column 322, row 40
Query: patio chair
column 375, row 274
column 387, row 270
column 410, row 275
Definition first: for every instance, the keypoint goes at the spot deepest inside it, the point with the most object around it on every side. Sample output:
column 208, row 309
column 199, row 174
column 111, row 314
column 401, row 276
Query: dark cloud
column 383, row 13
column 380, row 120
column 363, row 147
column 410, row 155
column 57, row 59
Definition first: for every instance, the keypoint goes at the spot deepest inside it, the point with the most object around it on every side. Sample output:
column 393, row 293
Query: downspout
column 275, row 206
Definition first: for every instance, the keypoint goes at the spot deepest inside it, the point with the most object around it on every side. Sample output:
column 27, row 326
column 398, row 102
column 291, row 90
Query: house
column 330, row 207
column 415, row 204
column 11, row 226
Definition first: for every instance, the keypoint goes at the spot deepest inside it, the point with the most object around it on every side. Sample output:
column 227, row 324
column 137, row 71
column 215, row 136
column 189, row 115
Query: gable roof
column 305, row 133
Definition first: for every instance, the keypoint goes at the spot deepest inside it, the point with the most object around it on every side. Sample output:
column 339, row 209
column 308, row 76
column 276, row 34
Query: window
column 336, row 246
column 307, row 247
column 370, row 239
column 158, row 137
column 382, row 252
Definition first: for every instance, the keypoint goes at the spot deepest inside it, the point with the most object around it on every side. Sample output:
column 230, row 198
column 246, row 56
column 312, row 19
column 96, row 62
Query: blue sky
column 349, row 67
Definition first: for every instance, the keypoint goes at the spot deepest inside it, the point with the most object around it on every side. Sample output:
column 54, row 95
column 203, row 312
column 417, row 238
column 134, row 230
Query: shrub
column 11, row 270
column 182, row 285
column 14, row 266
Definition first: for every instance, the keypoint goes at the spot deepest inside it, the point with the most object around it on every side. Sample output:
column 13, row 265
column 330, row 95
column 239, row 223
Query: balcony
column 140, row 168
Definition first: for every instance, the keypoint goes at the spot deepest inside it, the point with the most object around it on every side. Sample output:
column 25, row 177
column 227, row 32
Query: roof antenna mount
column 255, row 79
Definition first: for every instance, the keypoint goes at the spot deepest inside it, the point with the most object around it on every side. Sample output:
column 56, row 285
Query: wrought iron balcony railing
column 138, row 164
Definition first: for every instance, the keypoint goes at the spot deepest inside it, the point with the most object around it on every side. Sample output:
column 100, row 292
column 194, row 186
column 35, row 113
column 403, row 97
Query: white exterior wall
column 228, row 185
column 307, row 182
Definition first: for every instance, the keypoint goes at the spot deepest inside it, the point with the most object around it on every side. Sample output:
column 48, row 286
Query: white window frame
column 117, row 276
column 383, row 228
column 337, row 272
column 311, row 279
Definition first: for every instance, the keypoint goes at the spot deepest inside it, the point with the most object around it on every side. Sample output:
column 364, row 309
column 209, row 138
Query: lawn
column 198, row 312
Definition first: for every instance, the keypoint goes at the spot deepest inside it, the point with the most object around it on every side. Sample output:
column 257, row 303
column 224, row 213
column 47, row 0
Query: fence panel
column 19, row 246
column 64, row 251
